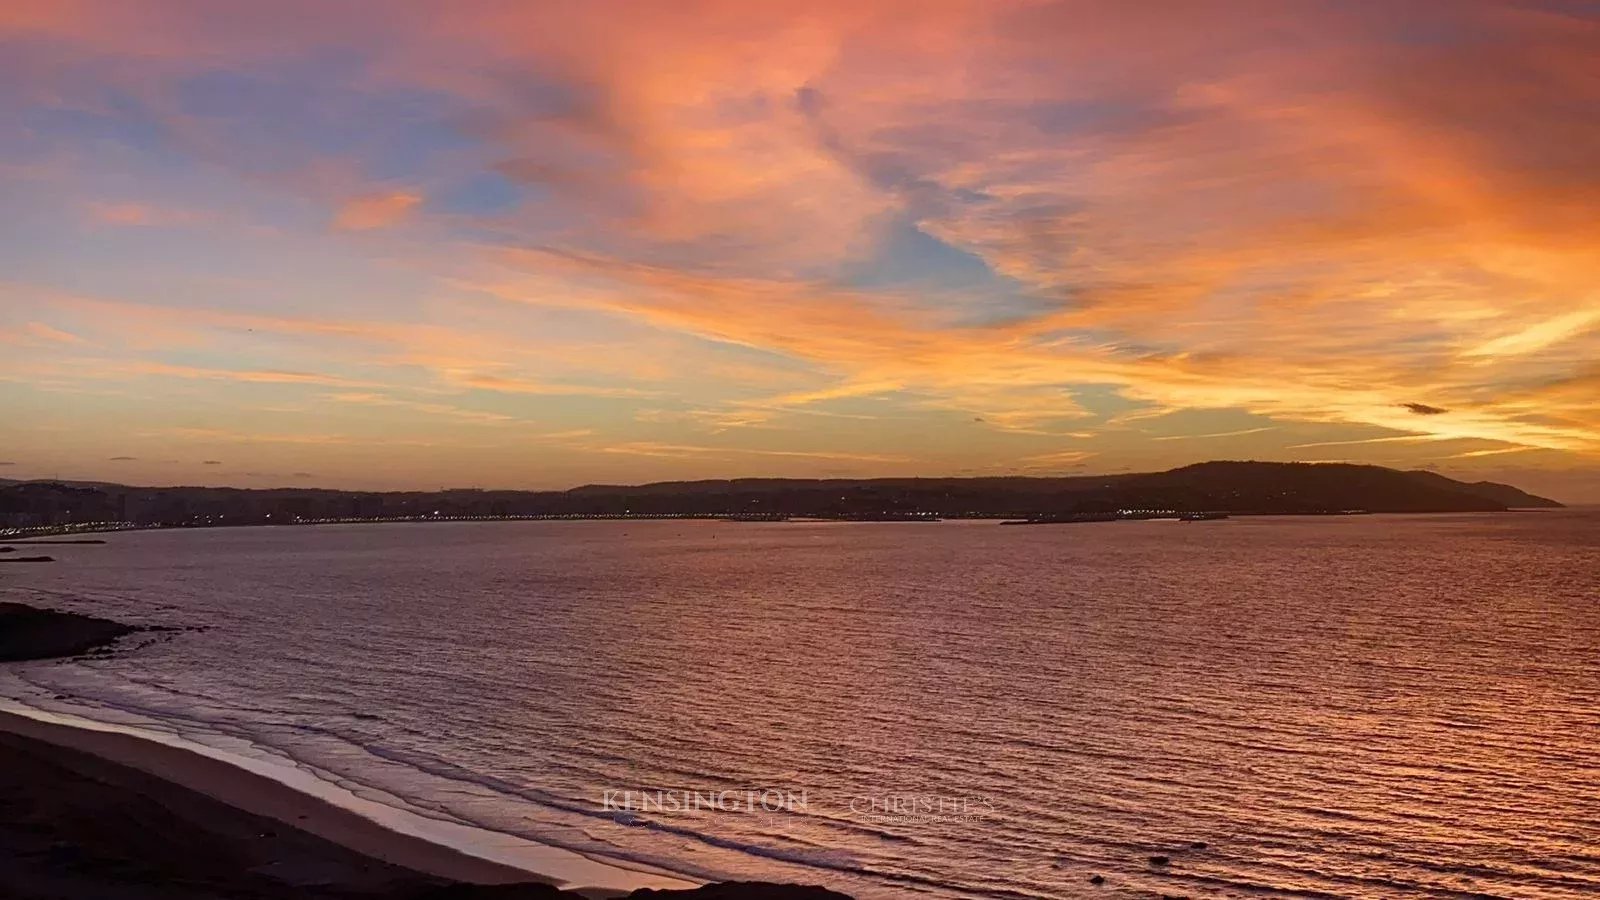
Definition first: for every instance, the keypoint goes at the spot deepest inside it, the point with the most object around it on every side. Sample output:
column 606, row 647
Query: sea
column 1342, row 706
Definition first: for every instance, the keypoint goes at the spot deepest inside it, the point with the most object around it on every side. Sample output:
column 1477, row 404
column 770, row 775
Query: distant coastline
column 42, row 508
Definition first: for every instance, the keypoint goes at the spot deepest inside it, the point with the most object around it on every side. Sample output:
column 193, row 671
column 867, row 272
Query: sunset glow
column 540, row 244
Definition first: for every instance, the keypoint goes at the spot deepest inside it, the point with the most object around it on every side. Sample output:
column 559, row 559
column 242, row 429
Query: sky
column 540, row 244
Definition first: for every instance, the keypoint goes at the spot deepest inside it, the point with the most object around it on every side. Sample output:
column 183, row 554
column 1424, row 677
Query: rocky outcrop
column 29, row 633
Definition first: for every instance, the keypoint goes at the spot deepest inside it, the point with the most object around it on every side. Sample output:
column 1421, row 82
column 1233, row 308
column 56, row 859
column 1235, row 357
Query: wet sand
column 103, row 811
column 74, row 823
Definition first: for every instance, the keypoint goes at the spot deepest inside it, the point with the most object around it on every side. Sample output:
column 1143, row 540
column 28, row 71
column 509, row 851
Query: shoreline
column 43, row 534
column 409, row 842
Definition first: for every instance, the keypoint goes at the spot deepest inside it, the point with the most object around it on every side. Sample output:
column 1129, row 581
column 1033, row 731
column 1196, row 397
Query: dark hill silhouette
column 1236, row 487
column 1317, row 487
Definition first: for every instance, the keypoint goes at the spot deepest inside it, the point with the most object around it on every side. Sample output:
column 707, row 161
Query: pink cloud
column 376, row 211
column 141, row 214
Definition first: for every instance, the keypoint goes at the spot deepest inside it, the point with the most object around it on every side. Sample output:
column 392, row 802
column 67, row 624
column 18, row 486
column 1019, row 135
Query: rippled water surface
column 1365, row 707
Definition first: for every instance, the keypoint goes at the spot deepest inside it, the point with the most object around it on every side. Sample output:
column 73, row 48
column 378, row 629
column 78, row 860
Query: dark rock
column 1097, row 879
column 1159, row 860
column 526, row 891
column 1199, row 845
column 29, row 633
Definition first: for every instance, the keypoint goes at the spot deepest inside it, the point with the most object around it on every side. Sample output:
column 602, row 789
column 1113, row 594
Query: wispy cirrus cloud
column 431, row 409
column 659, row 449
column 1540, row 335
column 1061, row 459
column 1216, row 434
column 252, row 376
column 41, row 331
column 490, row 381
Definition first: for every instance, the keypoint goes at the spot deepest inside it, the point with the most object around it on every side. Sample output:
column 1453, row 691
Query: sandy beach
column 73, row 824
column 137, row 808
column 113, row 816
column 94, row 810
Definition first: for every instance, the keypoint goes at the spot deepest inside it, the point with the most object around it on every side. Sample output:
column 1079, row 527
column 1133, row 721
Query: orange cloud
column 54, row 335
column 1541, row 335
column 375, row 211
column 121, row 213
column 433, row 409
column 140, row 214
column 511, row 384
column 257, row 376
column 656, row 448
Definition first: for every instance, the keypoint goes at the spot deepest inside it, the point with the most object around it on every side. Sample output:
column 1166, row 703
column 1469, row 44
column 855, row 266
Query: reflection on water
column 1357, row 707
